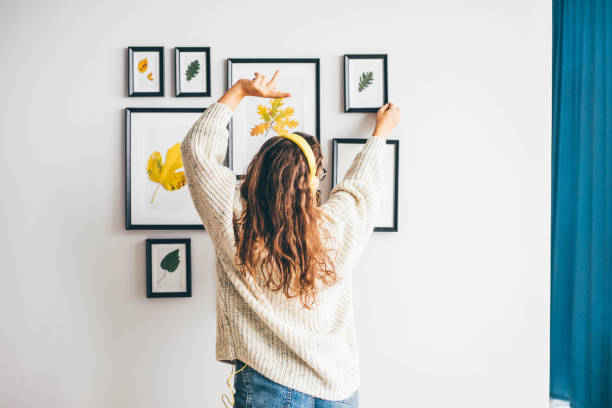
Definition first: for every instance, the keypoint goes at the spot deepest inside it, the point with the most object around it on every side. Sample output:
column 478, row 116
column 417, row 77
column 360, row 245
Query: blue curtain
column 581, row 236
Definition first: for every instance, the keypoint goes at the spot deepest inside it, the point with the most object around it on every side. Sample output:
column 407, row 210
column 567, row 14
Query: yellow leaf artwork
column 150, row 76
column 142, row 65
column 274, row 117
column 165, row 173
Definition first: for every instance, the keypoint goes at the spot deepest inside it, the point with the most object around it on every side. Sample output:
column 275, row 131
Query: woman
column 283, row 263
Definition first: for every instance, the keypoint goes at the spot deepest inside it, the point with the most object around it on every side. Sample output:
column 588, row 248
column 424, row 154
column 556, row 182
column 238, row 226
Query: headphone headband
column 310, row 157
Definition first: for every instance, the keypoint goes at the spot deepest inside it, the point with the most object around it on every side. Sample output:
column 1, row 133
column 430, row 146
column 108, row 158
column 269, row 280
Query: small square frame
column 177, row 71
column 130, row 69
column 348, row 57
column 154, row 241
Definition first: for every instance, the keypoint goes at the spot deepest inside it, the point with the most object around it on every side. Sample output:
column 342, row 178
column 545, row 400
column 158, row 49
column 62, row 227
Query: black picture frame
column 128, row 206
column 231, row 61
column 177, row 71
column 130, row 73
column 347, row 58
column 395, row 142
column 149, row 272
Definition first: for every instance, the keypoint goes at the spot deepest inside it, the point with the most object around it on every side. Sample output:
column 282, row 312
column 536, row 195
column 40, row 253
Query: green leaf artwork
column 171, row 261
column 192, row 69
column 169, row 264
column 365, row 80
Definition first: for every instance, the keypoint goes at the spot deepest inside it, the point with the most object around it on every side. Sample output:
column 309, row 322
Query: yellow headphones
column 310, row 157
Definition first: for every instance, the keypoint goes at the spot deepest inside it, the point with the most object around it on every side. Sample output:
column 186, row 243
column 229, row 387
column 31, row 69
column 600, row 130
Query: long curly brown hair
column 280, row 227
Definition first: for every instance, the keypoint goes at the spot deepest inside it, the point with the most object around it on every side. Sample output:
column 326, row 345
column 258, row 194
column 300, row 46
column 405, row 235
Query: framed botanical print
column 257, row 119
column 365, row 82
column 145, row 71
column 192, row 71
column 169, row 267
column 156, row 194
column 344, row 152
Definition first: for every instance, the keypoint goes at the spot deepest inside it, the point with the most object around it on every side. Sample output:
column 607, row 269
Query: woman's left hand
column 259, row 87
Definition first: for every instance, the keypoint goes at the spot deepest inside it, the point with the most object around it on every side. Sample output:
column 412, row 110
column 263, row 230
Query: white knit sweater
column 312, row 351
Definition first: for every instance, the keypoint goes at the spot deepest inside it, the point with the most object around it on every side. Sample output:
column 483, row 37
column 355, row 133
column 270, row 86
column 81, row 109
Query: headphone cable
column 231, row 389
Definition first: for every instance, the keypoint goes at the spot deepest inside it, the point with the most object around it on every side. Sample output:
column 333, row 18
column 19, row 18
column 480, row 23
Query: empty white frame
column 344, row 152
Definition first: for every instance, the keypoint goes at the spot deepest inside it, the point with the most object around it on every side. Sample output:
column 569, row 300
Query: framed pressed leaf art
column 344, row 152
column 192, row 71
column 156, row 194
column 257, row 119
column 168, row 267
column 365, row 82
column 145, row 71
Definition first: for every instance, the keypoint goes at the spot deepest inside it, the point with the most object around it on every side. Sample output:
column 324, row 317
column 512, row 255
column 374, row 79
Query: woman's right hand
column 387, row 118
column 259, row 87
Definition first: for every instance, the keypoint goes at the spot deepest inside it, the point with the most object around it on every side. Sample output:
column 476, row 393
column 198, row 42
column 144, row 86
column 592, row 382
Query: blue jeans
column 253, row 390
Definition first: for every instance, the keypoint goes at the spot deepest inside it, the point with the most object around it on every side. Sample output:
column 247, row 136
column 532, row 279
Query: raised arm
column 211, row 184
column 354, row 203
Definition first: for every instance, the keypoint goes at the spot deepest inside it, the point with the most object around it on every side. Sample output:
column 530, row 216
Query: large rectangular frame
column 395, row 142
column 128, row 214
column 231, row 61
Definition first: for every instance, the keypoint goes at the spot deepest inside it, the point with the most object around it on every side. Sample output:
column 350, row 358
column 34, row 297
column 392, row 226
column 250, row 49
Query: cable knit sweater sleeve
column 211, row 184
column 355, row 202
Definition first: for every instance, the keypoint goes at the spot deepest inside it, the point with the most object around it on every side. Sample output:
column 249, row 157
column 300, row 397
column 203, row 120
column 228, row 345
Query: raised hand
column 387, row 118
column 259, row 87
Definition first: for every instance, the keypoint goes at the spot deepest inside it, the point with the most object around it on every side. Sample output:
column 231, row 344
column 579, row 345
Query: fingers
column 272, row 87
column 268, row 89
column 388, row 107
column 274, row 76
column 262, row 77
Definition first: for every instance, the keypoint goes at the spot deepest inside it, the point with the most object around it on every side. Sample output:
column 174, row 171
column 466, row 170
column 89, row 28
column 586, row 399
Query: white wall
column 452, row 311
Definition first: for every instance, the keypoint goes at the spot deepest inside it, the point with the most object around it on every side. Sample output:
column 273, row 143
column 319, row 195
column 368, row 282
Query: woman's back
column 311, row 350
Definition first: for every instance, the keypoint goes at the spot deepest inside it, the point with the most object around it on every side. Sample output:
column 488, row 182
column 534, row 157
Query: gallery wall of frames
column 156, row 195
